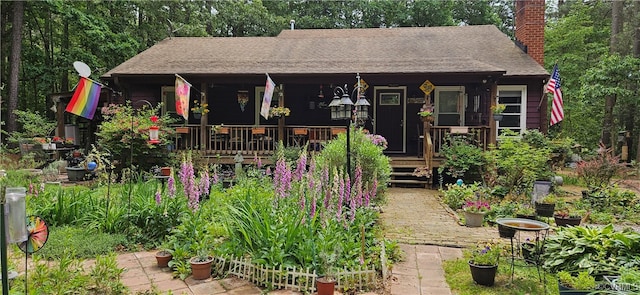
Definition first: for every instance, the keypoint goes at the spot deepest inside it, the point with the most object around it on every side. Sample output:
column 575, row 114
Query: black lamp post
column 342, row 108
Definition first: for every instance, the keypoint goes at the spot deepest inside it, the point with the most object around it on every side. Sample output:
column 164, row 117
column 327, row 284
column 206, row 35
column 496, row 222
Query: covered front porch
column 223, row 142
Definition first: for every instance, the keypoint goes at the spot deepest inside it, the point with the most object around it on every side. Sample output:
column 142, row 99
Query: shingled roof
column 464, row 49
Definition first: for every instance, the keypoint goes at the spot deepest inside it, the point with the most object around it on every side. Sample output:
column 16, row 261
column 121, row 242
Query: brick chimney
column 530, row 27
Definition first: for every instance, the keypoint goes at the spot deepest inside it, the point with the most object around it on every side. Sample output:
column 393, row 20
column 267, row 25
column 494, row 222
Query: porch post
column 492, row 122
column 281, row 119
column 204, row 138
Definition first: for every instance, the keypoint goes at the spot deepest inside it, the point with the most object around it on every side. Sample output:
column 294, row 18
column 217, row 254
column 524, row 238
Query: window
column 515, row 114
column 168, row 100
column 449, row 105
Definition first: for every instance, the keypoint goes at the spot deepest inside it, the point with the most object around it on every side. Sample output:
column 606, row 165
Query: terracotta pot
column 325, row 286
column 163, row 258
column 483, row 274
column 165, row 171
column 201, row 270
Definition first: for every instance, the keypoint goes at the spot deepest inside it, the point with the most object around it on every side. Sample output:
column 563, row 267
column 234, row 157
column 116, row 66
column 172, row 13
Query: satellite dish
column 82, row 69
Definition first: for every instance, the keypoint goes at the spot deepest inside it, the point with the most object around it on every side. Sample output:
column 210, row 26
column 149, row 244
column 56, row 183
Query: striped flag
column 266, row 99
column 183, row 91
column 85, row 99
column 553, row 86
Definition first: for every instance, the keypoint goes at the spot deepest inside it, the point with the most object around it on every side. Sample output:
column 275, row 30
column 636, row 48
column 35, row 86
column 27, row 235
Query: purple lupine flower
column 340, row 197
column 205, row 182
column 171, row 184
column 372, row 192
column 259, row 163
column 158, row 197
column 301, row 167
column 268, row 172
column 32, row 190
column 215, row 178
column 313, row 206
column 357, row 186
column 352, row 204
column 312, row 167
column 347, row 189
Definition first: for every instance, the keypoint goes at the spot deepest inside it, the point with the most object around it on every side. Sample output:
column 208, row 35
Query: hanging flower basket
column 497, row 117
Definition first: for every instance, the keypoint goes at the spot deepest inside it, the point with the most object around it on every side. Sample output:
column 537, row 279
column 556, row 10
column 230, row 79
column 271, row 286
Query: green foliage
column 599, row 170
column 597, row 251
column 611, row 204
column 583, row 281
column 375, row 165
column 33, row 125
column 459, row 279
column 517, row 164
column 463, row 157
column 125, row 133
column 455, row 196
column 71, row 241
column 68, row 276
column 483, row 254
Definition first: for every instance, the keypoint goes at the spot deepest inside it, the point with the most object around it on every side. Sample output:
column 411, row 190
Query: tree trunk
column 610, row 100
column 14, row 75
column 636, row 54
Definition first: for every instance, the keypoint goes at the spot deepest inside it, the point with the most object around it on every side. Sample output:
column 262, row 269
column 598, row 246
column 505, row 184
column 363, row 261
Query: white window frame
column 523, row 106
column 461, row 102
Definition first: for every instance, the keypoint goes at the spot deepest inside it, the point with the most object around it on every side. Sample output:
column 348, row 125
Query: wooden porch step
column 409, row 182
column 401, row 173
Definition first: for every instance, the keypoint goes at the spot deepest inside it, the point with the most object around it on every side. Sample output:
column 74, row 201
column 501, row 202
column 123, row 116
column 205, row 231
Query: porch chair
column 300, row 136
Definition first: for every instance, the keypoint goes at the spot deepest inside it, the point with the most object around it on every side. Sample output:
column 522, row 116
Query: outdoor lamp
column 335, row 108
column 362, row 108
column 346, row 105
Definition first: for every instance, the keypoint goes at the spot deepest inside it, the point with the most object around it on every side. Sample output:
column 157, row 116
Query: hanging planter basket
column 497, row 117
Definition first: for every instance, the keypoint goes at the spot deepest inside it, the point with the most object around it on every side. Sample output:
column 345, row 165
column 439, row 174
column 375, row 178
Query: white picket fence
column 291, row 278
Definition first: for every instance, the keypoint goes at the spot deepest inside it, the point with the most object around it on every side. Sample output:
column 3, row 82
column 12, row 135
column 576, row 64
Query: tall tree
column 610, row 100
column 16, row 49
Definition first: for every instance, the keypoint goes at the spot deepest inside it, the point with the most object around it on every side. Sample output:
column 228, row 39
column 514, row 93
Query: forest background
column 596, row 44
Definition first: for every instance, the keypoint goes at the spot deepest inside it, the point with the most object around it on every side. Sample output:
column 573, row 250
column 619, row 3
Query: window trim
column 523, row 106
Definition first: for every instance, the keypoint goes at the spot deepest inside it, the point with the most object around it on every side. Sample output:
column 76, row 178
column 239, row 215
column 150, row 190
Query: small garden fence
column 295, row 279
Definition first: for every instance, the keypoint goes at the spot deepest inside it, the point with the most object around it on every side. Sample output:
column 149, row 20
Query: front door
column 389, row 120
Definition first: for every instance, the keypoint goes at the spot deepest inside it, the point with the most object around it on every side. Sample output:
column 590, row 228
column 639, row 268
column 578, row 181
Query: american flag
column 553, row 86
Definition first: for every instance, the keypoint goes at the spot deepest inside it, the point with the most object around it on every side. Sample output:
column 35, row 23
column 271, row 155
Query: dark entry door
column 390, row 117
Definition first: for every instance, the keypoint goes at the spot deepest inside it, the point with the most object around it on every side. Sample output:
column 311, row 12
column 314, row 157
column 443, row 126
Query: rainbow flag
column 85, row 98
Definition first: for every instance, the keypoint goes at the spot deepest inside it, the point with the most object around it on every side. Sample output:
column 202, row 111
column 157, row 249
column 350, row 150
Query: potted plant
column 279, row 112
column 529, row 251
column 497, row 111
column 426, row 113
column 483, row 263
column 326, row 283
column 163, row 257
column 566, row 217
column 474, row 212
column 201, row 265
column 525, row 211
column 582, row 284
column 198, row 109
column 546, row 205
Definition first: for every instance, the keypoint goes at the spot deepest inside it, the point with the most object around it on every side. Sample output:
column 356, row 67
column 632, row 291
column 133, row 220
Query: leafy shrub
column 599, row 170
column 455, row 196
column 375, row 165
column 463, row 157
column 598, row 251
column 583, row 281
column 517, row 164
column 125, row 133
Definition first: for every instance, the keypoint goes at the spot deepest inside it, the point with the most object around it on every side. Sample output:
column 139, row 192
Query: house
column 467, row 68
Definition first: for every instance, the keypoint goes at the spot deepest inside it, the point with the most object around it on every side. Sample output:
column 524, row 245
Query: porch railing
column 249, row 139
column 263, row 140
column 438, row 134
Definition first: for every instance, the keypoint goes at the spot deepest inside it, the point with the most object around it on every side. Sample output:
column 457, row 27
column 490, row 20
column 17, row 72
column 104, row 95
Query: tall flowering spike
column 303, row 199
column 301, row 167
column 42, row 187
column 352, row 204
column 171, row 184
column 282, row 178
column 372, row 193
column 347, row 189
column 215, row 178
column 259, row 163
column 340, row 197
column 268, row 172
column 205, row 182
column 357, row 186
column 158, row 197
column 312, row 167
column 313, row 206
column 332, row 190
